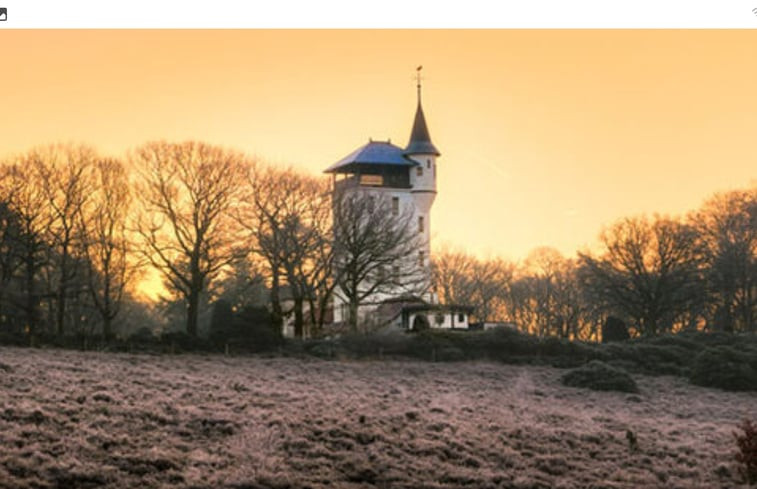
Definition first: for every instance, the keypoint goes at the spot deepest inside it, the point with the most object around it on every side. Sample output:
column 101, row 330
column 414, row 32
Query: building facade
column 407, row 178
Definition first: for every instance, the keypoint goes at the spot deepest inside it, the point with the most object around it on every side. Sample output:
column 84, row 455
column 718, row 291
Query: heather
column 600, row 376
column 724, row 360
column 88, row 419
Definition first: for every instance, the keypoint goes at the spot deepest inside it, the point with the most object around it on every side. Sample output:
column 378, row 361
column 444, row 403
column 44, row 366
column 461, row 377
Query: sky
column 546, row 135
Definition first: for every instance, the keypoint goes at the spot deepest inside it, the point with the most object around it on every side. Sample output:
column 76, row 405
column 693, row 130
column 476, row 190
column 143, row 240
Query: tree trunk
column 193, row 301
column 298, row 318
column 107, row 328
column 277, row 316
column 60, row 311
column 353, row 314
column 31, row 303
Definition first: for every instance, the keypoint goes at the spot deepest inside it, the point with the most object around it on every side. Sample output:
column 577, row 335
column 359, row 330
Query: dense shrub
column 725, row 368
column 648, row 358
column 504, row 345
column 372, row 345
column 179, row 341
column 747, row 456
column 599, row 376
column 222, row 322
column 252, row 330
column 614, row 329
column 682, row 341
column 13, row 339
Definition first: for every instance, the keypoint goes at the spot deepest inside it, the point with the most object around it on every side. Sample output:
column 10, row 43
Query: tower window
column 420, row 224
column 428, row 163
column 419, row 171
column 372, row 180
column 395, row 205
column 421, row 258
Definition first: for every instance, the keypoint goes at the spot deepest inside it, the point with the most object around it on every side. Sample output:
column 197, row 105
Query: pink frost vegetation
column 85, row 420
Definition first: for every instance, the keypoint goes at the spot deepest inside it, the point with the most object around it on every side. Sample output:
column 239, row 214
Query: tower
column 407, row 178
column 422, row 151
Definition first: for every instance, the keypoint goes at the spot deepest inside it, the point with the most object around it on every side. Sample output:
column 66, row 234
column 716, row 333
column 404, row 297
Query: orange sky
column 545, row 135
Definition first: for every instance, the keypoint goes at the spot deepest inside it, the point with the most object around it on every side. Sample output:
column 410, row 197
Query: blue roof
column 373, row 153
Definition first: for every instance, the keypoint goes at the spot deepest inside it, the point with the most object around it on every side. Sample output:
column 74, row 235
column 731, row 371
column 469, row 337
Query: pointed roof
column 373, row 153
column 420, row 141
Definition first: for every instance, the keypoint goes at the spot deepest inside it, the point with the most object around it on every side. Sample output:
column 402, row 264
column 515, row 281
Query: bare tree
column 558, row 303
column 186, row 191
column 25, row 197
column 242, row 285
column 105, row 241
column 263, row 214
column 287, row 216
column 66, row 181
column 375, row 250
column 650, row 272
column 10, row 234
column 452, row 275
column 465, row 279
column 490, row 280
column 315, row 271
column 727, row 224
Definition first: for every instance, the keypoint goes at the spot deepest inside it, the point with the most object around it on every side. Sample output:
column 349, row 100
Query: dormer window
column 420, row 171
column 420, row 224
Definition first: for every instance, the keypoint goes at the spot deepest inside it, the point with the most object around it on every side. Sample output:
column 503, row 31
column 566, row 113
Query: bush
column 222, row 322
column 614, row 329
column 179, row 341
column 747, row 456
column 599, row 376
column 253, row 330
column 648, row 358
column 501, row 344
column 375, row 344
column 725, row 368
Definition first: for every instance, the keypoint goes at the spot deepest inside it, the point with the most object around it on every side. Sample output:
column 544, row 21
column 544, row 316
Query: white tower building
column 422, row 151
column 407, row 176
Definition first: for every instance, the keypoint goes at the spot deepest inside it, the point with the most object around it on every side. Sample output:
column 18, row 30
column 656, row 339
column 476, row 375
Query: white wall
column 450, row 320
column 417, row 201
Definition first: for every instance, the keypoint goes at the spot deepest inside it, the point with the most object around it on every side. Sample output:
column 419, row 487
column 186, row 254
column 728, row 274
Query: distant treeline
column 78, row 230
column 657, row 275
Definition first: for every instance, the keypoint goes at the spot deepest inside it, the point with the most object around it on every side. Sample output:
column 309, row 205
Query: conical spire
column 420, row 141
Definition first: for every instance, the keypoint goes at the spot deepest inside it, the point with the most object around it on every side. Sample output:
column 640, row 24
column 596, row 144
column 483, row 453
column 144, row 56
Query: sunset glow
column 545, row 136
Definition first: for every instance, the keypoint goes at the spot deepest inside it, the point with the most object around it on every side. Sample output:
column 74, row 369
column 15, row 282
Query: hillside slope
column 86, row 420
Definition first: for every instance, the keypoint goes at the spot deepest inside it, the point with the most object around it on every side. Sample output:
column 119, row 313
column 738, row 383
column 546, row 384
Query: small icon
column 3, row 14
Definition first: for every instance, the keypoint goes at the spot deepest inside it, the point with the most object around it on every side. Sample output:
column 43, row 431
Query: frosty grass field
column 84, row 420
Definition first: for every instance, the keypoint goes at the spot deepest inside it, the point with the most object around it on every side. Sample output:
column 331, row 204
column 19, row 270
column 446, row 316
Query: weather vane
column 418, row 80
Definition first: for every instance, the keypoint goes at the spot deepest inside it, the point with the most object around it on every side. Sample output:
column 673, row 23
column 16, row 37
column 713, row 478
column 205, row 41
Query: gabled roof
column 373, row 153
column 420, row 140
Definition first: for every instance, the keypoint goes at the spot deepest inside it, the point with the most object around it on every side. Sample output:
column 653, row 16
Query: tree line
column 78, row 229
column 657, row 274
